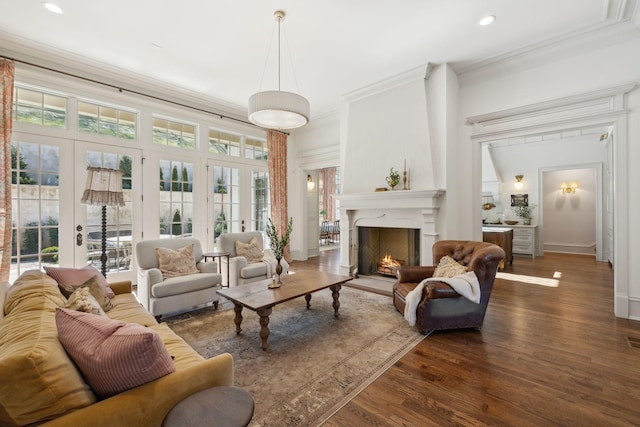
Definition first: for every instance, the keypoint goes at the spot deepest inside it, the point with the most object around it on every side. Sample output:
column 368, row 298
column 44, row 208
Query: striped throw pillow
column 112, row 355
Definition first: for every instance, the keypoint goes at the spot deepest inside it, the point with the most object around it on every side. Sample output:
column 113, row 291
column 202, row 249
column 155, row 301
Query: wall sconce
column 310, row 184
column 569, row 189
column 519, row 183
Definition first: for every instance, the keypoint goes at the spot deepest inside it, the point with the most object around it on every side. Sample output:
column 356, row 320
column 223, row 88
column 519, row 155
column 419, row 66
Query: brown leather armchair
column 440, row 306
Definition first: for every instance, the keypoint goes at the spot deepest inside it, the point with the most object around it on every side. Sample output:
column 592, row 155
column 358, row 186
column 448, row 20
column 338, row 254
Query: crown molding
column 620, row 22
column 421, row 72
column 56, row 60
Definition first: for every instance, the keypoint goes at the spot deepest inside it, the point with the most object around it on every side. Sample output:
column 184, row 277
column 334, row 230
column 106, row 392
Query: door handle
column 79, row 239
column 242, row 225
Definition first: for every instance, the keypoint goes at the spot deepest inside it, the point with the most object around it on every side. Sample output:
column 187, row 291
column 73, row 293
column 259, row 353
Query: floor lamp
column 103, row 188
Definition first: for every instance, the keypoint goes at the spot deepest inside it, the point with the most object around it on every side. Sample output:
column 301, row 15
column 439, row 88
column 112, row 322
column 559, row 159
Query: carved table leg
column 335, row 292
column 307, row 297
column 238, row 319
column 264, row 314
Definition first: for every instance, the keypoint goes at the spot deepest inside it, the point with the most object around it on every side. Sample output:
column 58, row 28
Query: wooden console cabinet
column 525, row 238
column 502, row 237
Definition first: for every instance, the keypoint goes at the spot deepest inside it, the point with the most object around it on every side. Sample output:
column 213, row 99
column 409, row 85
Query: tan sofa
column 41, row 384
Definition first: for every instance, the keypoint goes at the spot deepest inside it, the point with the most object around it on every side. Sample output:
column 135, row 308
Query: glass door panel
column 239, row 198
column 121, row 222
column 36, row 202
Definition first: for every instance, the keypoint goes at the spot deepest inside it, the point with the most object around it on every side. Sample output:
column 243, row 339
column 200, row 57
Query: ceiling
column 226, row 50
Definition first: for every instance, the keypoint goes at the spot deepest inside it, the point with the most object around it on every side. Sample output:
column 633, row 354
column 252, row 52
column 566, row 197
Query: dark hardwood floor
column 551, row 352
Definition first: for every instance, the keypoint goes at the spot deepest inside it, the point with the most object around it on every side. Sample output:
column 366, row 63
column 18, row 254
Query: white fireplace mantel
column 400, row 208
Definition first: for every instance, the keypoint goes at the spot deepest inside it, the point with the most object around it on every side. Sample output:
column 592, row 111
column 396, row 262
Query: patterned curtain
column 277, row 151
column 7, row 70
column 329, row 191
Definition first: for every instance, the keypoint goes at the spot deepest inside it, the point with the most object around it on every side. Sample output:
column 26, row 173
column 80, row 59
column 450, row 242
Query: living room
column 572, row 88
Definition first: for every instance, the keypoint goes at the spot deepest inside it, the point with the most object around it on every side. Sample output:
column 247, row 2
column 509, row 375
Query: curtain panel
column 277, row 152
column 7, row 71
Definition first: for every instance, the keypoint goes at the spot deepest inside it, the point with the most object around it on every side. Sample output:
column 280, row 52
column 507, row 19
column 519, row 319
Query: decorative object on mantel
column 278, row 244
column 393, row 179
column 511, row 222
column 524, row 212
column 405, row 177
column 381, row 189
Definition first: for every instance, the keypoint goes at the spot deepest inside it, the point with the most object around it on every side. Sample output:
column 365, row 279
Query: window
column 255, row 149
column 174, row 134
column 176, row 198
column 224, row 143
column 102, row 120
column 39, row 108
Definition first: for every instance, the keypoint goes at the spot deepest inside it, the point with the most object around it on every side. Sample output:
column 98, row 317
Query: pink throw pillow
column 77, row 276
column 112, row 355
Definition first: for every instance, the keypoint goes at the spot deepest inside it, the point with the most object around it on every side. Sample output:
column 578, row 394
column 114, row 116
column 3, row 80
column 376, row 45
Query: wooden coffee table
column 259, row 298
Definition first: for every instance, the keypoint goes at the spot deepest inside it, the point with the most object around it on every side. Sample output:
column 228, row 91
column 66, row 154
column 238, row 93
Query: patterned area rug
column 315, row 363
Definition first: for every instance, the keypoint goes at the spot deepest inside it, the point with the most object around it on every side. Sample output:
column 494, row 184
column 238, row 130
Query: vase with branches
column 278, row 242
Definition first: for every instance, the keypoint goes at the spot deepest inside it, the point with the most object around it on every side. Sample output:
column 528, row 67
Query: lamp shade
column 103, row 188
column 276, row 109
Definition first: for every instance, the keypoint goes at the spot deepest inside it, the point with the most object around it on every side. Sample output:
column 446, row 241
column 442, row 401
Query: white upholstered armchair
column 194, row 284
column 249, row 261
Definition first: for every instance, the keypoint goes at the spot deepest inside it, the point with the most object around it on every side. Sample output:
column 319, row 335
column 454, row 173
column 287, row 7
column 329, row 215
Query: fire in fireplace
column 381, row 250
column 388, row 265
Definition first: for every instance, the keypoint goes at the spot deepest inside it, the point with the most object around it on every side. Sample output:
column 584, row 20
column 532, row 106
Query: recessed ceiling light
column 487, row 20
column 52, row 7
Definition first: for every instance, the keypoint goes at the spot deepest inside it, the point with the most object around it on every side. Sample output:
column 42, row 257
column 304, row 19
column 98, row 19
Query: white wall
column 570, row 218
column 386, row 127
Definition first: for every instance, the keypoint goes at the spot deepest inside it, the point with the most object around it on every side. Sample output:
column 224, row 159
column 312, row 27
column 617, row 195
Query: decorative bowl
column 511, row 222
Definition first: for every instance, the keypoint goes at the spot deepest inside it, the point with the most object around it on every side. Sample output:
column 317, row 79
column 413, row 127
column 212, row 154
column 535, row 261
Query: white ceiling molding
column 85, row 68
column 422, row 72
column 617, row 25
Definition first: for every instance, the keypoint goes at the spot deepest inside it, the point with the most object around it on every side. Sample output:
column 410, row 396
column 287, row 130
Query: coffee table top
column 257, row 295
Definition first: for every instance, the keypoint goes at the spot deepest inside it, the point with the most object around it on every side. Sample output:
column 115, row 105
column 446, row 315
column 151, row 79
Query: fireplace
column 414, row 211
column 382, row 250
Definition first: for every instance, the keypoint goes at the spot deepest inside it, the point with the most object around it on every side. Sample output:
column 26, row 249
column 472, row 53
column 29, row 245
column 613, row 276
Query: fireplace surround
column 407, row 209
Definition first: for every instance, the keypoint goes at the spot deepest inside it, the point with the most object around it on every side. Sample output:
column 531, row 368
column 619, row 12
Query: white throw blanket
column 466, row 285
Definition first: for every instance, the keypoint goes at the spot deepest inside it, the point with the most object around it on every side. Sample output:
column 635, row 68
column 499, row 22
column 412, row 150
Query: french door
column 238, row 196
column 49, row 225
column 123, row 223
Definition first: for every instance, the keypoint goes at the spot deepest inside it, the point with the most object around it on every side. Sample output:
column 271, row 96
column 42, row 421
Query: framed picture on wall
column 519, row 200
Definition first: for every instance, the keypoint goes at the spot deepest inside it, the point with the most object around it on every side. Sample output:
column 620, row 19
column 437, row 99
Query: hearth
column 382, row 250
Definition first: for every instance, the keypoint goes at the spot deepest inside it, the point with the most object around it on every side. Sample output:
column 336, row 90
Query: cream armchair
column 165, row 295
column 243, row 270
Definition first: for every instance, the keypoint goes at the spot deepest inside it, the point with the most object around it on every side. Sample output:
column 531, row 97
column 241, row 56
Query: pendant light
column 276, row 109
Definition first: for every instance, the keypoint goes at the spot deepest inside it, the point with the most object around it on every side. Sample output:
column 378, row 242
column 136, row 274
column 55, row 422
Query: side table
column 220, row 406
column 219, row 255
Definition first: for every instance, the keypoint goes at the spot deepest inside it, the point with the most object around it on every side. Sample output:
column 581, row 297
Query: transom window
column 224, row 143
column 174, row 134
column 39, row 108
column 103, row 120
column 255, row 149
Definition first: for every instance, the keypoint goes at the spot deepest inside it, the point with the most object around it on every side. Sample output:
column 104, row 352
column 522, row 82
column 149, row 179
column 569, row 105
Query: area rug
column 315, row 362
